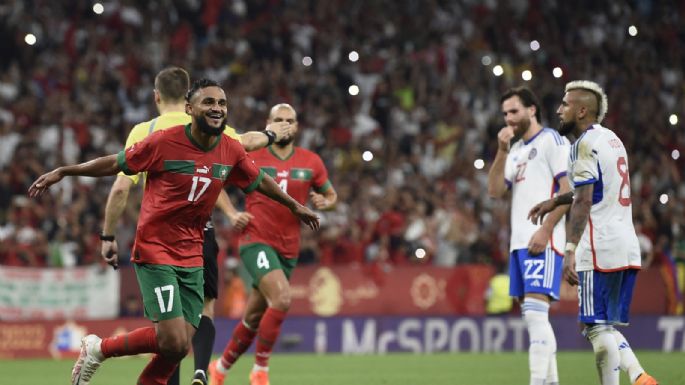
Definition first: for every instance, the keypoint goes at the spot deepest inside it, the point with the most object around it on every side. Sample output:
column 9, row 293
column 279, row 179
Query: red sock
column 268, row 331
column 143, row 340
column 158, row 371
column 240, row 341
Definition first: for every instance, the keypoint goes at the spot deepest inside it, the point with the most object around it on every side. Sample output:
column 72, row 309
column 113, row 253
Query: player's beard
column 285, row 141
column 206, row 128
column 567, row 128
column 520, row 129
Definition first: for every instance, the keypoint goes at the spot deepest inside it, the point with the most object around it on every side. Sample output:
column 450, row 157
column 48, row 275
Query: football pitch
column 575, row 368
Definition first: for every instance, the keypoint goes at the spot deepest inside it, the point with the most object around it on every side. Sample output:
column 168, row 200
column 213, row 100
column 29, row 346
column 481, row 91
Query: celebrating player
column 269, row 247
column 533, row 168
column 602, row 254
column 187, row 166
column 171, row 85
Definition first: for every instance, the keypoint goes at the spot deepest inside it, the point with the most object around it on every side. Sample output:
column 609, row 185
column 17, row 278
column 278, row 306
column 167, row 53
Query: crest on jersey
column 532, row 154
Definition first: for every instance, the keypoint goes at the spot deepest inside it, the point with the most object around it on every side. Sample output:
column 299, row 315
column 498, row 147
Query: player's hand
column 538, row 212
column 538, row 241
column 281, row 129
column 240, row 220
column 307, row 216
column 110, row 253
column 569, row 271
column 504, row 137
column 44, row 182
column 319, row 201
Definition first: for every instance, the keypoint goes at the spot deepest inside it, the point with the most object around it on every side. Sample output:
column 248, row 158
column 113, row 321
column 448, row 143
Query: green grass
column 392, row 369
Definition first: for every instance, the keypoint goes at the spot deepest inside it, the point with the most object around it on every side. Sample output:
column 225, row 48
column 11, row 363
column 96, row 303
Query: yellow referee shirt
column 170, row 119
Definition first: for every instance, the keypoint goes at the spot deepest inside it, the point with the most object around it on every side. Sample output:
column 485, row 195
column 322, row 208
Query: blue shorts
column 604, row 298
column 540, row 273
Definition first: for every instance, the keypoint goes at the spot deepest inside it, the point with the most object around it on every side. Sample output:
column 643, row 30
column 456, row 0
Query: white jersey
column 609, row 242
column 532, row 173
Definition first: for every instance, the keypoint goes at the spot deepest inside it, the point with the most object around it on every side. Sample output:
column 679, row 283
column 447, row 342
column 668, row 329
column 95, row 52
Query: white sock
column 607, row 357
column 542, row 341
column 552, row 372
column 629, row 362
column 262, row 368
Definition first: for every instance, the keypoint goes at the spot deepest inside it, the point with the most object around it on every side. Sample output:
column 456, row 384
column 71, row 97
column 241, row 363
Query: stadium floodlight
column 526, row 75
column 307, row 61
column 535, row 45
column 353, row 90
column 479, row 164
column 497, row 70
column 673, row 119
column 486, row 60
column 367, row 156
column 98, row 8
column 663, row 198
column 30, row 39
column 632, row 31
column 557, row 72
column 353, row 56
column 675, row 154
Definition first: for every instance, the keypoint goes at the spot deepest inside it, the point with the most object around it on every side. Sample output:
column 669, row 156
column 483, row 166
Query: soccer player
column 602, row 254
column 533, row 168
column 187, row 166
column 269, row 247
column 171, row 85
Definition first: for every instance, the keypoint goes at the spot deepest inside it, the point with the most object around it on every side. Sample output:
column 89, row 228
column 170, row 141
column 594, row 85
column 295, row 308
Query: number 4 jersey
column 273, row 224
column 183, row 183
column 609, row 242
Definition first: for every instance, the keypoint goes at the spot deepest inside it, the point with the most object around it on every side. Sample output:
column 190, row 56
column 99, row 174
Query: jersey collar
column 198, row 145
column 286, row 157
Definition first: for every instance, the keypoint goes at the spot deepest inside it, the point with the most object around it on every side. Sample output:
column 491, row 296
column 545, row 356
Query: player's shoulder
column 231, row 133
column 307, row 154
column 552, row 137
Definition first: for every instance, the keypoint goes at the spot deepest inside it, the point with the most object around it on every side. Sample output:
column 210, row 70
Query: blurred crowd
column 407, row 149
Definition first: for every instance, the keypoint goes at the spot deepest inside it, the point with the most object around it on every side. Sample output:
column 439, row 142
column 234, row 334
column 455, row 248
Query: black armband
column 271, row 136
column 108, row 238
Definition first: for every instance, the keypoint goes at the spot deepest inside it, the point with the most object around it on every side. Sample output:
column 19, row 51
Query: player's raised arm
column 273, row 132
column 103, row 166
column 268, row 187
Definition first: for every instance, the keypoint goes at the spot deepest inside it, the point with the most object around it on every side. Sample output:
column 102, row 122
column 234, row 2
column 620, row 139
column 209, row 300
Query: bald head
column 277, row 107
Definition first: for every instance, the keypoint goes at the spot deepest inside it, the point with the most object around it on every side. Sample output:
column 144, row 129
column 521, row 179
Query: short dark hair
column 527, row 97
column 200, row 84
column 172, row 84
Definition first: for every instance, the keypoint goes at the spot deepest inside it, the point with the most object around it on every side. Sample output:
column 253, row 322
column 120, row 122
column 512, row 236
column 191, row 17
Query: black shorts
column 210, row 251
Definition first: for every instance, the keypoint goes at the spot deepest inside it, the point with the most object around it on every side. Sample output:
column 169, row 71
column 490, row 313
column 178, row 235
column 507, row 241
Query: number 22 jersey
column 609, row 242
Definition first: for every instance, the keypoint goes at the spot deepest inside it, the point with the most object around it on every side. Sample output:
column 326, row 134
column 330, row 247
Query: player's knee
column 173, row 346
column 208, row 309
column 252, row 319
column 282, row 300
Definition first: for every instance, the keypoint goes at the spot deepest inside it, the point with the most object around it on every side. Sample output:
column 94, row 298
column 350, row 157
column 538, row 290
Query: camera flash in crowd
column 353, row 56
column 307, row 61
column 478, row 164
column 420, row 253
column 535, row 45
column 675, row 154
column 526, row 75
column 663, row 199
column 353, row 90
column 98, row 8
column 632, row 31
column 497, row 70
column 557, row 72
column 30, row 39
column 673, row 119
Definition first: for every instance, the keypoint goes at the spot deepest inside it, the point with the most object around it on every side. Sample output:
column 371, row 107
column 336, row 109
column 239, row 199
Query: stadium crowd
column 426, row 108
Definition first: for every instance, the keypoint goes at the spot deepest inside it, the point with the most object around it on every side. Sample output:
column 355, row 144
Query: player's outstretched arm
column 269, row 188
column 106, row 165
column 254, row 140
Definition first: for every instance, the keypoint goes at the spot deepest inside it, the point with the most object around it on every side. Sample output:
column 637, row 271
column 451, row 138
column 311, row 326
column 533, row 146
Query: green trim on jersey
column 180, row 166
column 121, row 161
column 221, row 171
column 324, row 187
column 198, row 145
column 254, row 184
column 270, row 171
column 287, row 156
column 301, row 174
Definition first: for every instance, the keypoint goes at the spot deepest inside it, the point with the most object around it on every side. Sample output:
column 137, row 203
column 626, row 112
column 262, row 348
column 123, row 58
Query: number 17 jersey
column 609, row 242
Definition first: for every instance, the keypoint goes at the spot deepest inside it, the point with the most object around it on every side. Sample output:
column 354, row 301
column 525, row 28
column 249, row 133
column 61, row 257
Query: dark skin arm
column 269, row 188
column 579, row 216
column 103, row 166
column 538, row 212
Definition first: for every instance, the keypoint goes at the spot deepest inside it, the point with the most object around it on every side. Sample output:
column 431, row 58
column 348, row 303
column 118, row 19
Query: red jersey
column 273, row 224
column 183, row 183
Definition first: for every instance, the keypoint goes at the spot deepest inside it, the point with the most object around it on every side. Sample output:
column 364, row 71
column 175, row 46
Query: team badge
column 532, row 154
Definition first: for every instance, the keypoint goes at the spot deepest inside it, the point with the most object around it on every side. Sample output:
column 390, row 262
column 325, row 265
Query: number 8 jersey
column 609, row 242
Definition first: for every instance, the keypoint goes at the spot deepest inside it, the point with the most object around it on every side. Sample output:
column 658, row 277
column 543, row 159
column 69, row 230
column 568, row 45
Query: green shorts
column 171, row 291
column 260, row 259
